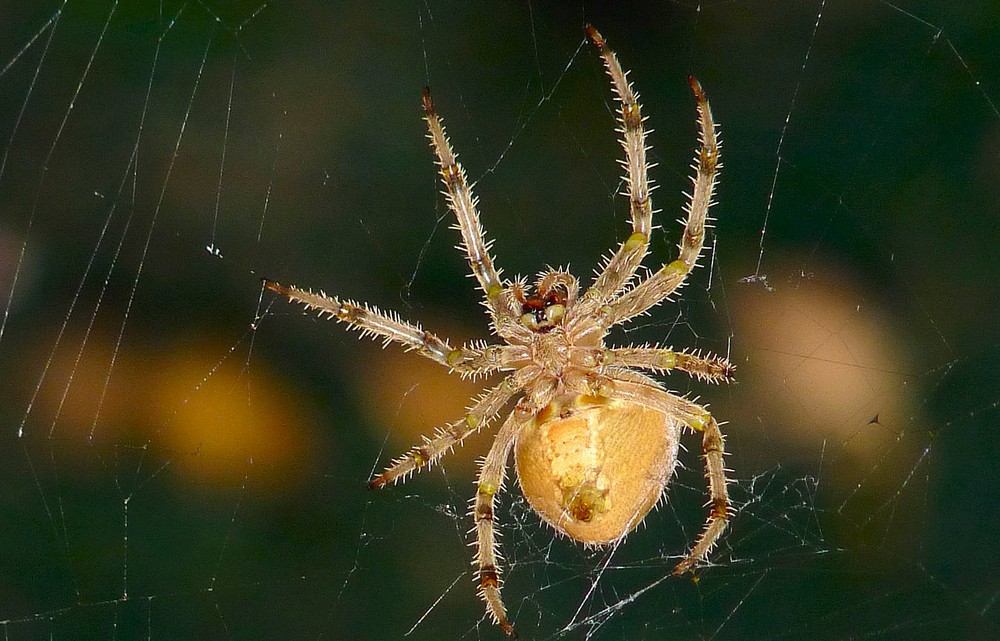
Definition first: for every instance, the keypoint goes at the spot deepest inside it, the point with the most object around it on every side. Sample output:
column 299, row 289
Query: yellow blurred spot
column 822, row 358
column 212, row 420
column 231, row 418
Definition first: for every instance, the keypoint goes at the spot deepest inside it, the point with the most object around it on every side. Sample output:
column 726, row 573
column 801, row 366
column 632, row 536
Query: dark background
column 184, row 456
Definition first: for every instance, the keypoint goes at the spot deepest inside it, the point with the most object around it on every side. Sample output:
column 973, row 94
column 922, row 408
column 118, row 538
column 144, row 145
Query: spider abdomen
column 592, row 467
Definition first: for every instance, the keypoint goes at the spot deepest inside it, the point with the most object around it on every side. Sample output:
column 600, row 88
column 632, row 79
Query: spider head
column 555, row 292
column 540, row 312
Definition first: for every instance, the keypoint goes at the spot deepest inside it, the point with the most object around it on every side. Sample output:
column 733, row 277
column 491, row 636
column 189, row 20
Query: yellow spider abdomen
column 593, row 467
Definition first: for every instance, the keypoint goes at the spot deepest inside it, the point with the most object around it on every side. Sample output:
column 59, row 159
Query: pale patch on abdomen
column 593, row 468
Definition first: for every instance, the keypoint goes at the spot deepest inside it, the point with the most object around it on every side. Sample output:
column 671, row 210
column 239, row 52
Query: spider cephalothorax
column 595, row 440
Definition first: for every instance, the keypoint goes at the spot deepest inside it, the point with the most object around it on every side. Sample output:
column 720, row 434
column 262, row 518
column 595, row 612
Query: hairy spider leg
column 371, row 321
column 671, row 276
column 620, row 268
column 462, row 203
column 713, row 450
column 710, row 368
column 492, row 471
column 478, row 416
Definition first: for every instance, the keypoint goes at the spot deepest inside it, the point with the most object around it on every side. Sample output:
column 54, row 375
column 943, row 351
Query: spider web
column 182, row 456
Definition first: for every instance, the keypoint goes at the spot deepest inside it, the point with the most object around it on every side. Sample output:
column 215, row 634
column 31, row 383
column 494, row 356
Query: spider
column 595, row 440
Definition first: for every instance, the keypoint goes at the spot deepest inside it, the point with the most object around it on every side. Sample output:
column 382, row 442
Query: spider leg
column 387, row 325
column 491, row 479
column 471, row 361
column 463, row 204
column 640, row 389
column 671, row 276
column 558, row 279
column 712, row 451
column 445, row 439
column 710, row 368
column 622, row 265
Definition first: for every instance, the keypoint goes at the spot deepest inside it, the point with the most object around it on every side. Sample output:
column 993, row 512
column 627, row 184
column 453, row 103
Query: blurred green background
column 183, row 456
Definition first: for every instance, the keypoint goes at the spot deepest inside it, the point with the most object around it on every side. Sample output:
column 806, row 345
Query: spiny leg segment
column 432, row 449
column 710, row 368
column 664, row 282
column 463, row 204
column 712, row 451
column 388, row 326
column 491, row 478
column 622, row 265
